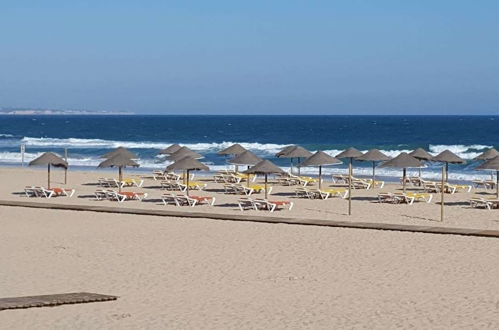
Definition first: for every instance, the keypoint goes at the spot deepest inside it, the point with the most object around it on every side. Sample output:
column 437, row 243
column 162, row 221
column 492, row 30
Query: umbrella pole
column 187, row 183
column 66, row 169
column 420, row 172
column 320, row 176
column 497, row 184
column 446, row 172
column 266, row 190
column 48, row 176
column 442, row 191
column 291, row 166
column 374, row 175
column 350, row 187
column 120, row 178
column 404, row 173
column 299, row 167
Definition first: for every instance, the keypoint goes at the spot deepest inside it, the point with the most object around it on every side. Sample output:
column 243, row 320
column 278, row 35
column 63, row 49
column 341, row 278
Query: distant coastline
column 52, row 112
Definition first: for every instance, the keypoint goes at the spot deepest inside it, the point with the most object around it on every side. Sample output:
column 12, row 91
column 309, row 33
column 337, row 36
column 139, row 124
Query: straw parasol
column 487, row 155
column 264, row 167
column 235, row 149
column 492, row 164
column 187, row 164
column 49, row 159
column 320, row 158
column 120, row 161
column 422, row 155
column 448, row 157
column 184, row 152
column 373, row 155
column 170, row 150
column 294, row 152
column 349, row 153
column 246, row 158
column 404, row 161
column 120, row 150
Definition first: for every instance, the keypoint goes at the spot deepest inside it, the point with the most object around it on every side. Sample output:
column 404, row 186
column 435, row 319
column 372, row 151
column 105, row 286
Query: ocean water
column 88, row 137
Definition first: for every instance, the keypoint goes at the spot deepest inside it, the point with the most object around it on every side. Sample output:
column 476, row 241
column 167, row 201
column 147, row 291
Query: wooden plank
column 53, row 300
column 257, row 218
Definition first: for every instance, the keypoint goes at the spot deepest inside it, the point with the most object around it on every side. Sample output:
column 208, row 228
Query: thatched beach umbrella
column 246, row 158
column 487, row 155
column 421, row 155
column 49, row 159
column 184, row 152
column 120, row 161
column 170, row 150
column 320, row 158
column 492, row 164
column 294, row 152
column 349, row 153
column 235, row 149
column 187, row 164
column 404, row 161
column 448, row 157
column 264, row 167
column 373, row 155
column 120, row 151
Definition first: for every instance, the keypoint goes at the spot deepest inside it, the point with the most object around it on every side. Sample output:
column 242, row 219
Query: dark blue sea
column 88, row 137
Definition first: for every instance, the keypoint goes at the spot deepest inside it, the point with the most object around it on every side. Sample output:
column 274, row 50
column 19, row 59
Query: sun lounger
column 102, row 194
column 169, row 199
column 196, row 185
column 340, row 192
column 238, row 189
column 133, row 195
column 425, row 197
column 486, row 184
column 129, row 182
column 360, row 184
column 340, row 178
column 316, row 193
column 209, row 200
column 246, row 204
column 67, row 192
column 264, row 204
column 395, row 198
column 31, row 191
column 257, row 188
column 302, row 192
column 184, row 200
column 488, row 203
column 376, row 183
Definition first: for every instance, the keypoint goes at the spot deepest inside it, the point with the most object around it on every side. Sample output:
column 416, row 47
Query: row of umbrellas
column 187, row 160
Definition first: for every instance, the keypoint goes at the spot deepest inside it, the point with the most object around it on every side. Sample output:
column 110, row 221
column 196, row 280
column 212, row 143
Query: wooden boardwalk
column 52, row 300
column 257, row 218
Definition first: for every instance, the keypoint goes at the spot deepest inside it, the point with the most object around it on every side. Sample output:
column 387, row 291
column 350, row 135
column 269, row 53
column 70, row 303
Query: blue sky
column 249, row 57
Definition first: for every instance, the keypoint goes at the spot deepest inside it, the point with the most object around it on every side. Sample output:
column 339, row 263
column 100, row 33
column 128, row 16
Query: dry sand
column 205, row 274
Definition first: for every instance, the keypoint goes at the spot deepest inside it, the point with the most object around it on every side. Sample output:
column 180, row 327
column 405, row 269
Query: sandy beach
column 365, row 206
column 190, row 273
column 199, row 273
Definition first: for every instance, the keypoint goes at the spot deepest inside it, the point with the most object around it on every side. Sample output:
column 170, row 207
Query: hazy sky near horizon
column 252, row 57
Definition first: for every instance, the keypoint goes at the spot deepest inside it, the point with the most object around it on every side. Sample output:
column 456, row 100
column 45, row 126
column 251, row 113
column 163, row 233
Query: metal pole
column 187, row 182
column 23, row 149
column 374, row 175
column 66, row 169
column 442, row 192
column 320, row 176
column 350, row 187
column 266, row 190
column 120, row 176
column 403, row 179
column 48, row 176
